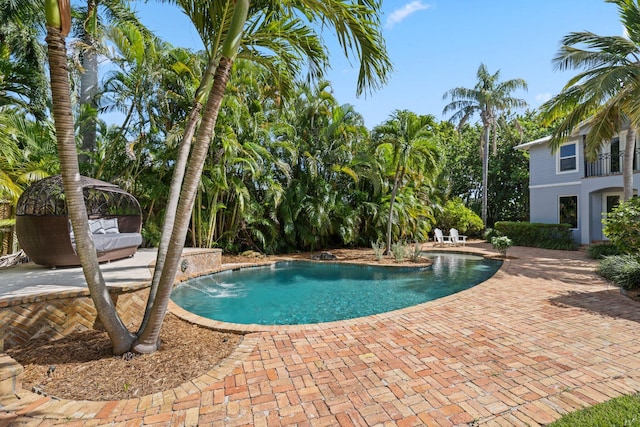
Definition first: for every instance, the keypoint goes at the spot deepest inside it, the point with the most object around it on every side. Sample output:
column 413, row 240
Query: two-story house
column 565, row 188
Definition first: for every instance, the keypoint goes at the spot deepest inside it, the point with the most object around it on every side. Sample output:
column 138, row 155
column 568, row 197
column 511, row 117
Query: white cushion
column 95, row 226
column 110, row 226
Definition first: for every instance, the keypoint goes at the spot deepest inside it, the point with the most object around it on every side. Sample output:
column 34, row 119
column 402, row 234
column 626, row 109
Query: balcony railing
column 608, row 164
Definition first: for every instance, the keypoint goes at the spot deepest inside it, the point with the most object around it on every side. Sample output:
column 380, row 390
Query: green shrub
column 456, row 215
column 415, row 253
column 378, row 249
column 622, row 226
column 151, row 234
column 400, row 251
column 622, row 270
column 548, row 236
column 602, row 250
column 490, row 233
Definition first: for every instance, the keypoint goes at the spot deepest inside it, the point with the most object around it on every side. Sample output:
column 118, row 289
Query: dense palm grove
column 289, row 168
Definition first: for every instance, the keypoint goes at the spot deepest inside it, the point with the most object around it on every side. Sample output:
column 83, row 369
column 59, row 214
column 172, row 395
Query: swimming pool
column 301, row 292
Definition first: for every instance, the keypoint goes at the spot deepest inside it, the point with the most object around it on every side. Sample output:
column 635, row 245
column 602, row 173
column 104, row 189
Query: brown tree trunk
column 627, row 171
column 121, row 338
column 148, row 340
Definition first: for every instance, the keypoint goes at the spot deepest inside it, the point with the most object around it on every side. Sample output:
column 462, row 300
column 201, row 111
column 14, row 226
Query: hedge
column 537, row 235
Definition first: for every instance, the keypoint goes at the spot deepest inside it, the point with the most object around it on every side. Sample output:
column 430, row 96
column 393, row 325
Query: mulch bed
column 81, row 366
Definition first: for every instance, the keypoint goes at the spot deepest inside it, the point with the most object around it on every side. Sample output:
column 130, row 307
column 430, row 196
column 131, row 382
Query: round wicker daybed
column 45, row 233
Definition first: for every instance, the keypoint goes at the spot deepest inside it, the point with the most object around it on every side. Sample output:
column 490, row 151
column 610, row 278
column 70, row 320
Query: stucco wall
column 543, row 167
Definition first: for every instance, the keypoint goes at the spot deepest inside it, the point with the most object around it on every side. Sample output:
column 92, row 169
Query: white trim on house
column 530, row 144
column 560, row 184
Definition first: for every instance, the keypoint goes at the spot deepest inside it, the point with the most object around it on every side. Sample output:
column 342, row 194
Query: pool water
column 299, row 292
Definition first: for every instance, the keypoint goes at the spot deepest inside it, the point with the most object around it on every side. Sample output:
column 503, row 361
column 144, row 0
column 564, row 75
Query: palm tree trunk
column 485, row 171
column 176, row 185
column 148, row 340
column 121, row 338
column 394, row 192
column 627, row 171
column 88, row 92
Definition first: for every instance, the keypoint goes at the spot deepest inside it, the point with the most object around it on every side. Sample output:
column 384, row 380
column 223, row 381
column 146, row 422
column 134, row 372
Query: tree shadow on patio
column 610, row 303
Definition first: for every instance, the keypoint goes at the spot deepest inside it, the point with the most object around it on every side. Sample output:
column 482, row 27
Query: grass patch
column 622, row 411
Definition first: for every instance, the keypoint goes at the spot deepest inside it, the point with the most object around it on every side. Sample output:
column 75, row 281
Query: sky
column 437, row 45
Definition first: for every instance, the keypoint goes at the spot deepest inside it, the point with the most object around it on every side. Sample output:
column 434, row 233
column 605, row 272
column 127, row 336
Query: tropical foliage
column 622, row 226
column 288, row 167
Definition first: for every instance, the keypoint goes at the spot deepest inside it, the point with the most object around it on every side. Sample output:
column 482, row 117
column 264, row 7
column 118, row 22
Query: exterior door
column 609, row 201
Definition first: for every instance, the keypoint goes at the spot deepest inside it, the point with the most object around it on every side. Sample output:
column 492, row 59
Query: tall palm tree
column 408, row 142
column 605, row 95
column 95, row 18
column 357, row 25
column 488, row 98
column 269, row 29
column 58, row 19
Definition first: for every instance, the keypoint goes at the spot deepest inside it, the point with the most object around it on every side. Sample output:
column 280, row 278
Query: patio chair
column 456, row 238
column 439, row 239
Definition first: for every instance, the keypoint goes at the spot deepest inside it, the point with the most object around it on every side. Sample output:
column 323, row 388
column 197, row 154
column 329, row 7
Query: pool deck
column 543, row 337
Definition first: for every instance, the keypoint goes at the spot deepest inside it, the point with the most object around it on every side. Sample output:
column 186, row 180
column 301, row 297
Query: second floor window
column 567, row 158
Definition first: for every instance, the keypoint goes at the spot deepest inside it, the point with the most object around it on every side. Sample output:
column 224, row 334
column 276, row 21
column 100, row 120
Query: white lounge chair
column 439, row 239
column 456, row 238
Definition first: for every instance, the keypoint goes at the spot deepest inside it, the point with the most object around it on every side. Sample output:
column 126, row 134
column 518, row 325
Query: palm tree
column 58, row 18
column 357, row 25
column 488, row 98
column 91, row 32
column 605, row 95
column 268, row 30
column 407, row 142
column 358, row 29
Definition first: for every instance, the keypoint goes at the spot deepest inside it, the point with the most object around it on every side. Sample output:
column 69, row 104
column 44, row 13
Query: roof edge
column 530, row 144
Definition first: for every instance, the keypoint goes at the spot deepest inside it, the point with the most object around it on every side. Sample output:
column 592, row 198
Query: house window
column 568, row 212
column 615, row 155
column 567, row 158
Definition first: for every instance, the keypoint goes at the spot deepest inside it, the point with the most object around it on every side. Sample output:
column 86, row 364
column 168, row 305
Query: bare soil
column 81, row 366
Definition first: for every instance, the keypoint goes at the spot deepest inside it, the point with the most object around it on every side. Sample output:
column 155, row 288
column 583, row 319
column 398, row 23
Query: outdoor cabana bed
column 45, row 233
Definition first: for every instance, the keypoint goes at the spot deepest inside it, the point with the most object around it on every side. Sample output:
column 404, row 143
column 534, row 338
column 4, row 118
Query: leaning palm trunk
column 121, row 338
column 172, row 206
column 148, row 340
column 149, row 337
column 627, row 171
column 176, row 184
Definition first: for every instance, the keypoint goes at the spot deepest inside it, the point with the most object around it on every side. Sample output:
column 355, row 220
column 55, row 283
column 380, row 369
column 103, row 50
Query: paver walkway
column 543, row 337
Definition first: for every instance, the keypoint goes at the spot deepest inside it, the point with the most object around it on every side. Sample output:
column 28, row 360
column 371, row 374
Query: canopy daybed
column 45, row 233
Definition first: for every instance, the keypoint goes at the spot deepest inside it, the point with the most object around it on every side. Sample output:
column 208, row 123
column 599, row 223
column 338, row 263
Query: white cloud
column 543, row 97
column 399, row 15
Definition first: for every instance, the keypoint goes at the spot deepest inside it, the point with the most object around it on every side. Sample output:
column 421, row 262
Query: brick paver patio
column 543, row 337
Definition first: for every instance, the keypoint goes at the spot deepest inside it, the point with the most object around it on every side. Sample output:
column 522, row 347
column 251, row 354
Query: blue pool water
column 299, row 292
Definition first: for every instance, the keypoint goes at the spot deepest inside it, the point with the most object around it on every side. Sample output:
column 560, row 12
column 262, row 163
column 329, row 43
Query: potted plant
column 501, row 244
